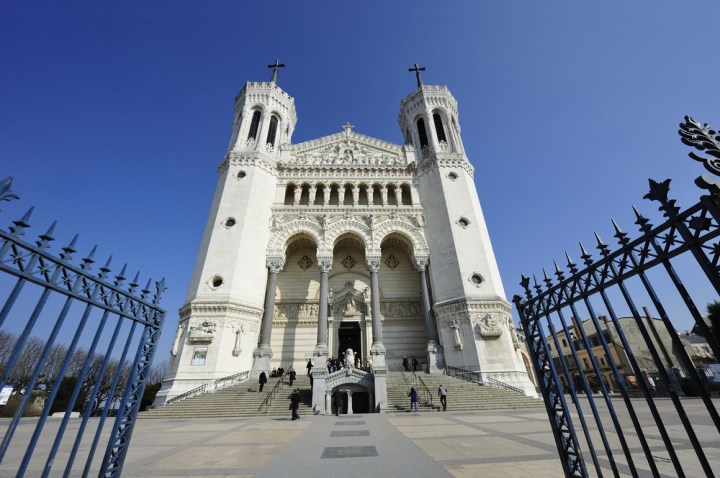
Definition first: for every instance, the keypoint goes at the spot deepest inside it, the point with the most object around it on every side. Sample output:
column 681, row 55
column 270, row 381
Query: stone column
column 321, row 348
column 435, row 362
column 263, row 353
column 349, row 395
column 377, row 351
column 373, row 264
column 328, row 402
column 320, row 353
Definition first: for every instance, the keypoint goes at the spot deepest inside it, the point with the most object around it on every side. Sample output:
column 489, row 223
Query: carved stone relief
column 488, row 325
column 203, row 332
column 296, row 311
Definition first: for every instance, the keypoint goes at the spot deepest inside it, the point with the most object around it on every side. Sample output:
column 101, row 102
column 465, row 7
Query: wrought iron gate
column 111, row 329
column 588, row 360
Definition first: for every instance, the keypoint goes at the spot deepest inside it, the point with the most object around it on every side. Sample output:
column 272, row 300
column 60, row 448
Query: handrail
column 498, row 384
column 271, row 394
column 465, row 374
column 429, row 400
column 209, row 387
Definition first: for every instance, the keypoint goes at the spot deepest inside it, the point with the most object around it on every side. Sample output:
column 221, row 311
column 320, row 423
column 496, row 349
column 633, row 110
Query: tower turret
column 473, row 316
column 224, row 304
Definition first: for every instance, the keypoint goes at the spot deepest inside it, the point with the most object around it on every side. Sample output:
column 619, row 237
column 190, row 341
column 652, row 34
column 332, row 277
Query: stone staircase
column 242, row 400
column 462, row 395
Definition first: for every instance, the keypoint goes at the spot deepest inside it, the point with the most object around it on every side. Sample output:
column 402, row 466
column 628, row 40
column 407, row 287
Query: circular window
column 462, row 222
column 229, row 222
column 240, row 174
column 452, row 176
column 476, row 279
column 216, row 282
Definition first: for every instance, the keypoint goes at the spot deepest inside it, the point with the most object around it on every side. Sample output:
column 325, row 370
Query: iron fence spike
column 123, row 271
column 24, row 221
column 91, row 257
column 136, row 278
column 557, row 268
column 584, row 252
column 570, row 261
column 600, row 243
column 50, row 231
column 71, row 247
column 107, row 264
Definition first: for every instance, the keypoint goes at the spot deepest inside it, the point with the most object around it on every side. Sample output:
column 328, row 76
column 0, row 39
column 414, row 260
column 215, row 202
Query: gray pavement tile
column 351, row 433
column 349, row 452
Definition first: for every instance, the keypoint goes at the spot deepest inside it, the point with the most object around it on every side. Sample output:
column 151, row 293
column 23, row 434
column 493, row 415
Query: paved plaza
column 507, row 443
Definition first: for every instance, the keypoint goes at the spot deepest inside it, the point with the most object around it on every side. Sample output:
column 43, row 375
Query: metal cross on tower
column 417, row 69
column 275, row 67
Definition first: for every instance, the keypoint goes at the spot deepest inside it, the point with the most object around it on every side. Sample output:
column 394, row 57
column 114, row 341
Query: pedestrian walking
column 337, row 402
column 406, row 364
column 415, row 363
column 262, row 380
column 442, row 391
column 295, row 404
column 292, row 376
column 413, row 399
column 309, row 366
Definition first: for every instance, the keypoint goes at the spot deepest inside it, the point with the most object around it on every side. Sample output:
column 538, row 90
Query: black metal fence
column 585, row 353
column 75, row 344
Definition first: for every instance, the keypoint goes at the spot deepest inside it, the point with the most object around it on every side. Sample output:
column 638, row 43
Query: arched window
column 272, row 130
column 439, row 127
column 254, row 124
column 422, row 132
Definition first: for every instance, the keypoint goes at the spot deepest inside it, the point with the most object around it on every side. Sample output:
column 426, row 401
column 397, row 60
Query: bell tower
column 472, row 314
column 220, row 320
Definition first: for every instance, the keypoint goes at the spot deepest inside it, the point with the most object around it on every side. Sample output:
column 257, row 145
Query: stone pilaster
column 435, row 359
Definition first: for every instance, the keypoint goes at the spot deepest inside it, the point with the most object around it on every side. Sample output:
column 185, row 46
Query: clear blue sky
column 114, row 117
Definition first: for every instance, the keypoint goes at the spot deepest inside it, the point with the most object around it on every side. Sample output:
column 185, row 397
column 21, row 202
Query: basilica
column 344, row 246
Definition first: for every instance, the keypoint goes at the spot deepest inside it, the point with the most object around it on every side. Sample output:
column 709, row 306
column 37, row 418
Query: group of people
column 335, row 364
column 442, row 393
column 407, row 363
column 276, row 373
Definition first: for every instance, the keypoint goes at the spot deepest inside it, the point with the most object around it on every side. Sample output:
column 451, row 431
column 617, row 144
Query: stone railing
column 210, row 387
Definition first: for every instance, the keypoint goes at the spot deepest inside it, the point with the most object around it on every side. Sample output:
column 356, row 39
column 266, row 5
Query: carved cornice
column 257, row 159
column 195, row 309
column 464, row 307
column 446, row 160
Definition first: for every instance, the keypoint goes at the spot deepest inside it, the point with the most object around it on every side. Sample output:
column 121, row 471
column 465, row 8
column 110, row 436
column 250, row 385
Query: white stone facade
column 342, row 242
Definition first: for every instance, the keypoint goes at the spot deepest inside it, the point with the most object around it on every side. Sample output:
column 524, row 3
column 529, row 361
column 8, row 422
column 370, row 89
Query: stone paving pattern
column 507, row 443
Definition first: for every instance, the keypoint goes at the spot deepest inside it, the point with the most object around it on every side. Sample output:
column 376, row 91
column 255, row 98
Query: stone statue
column 349, row 358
